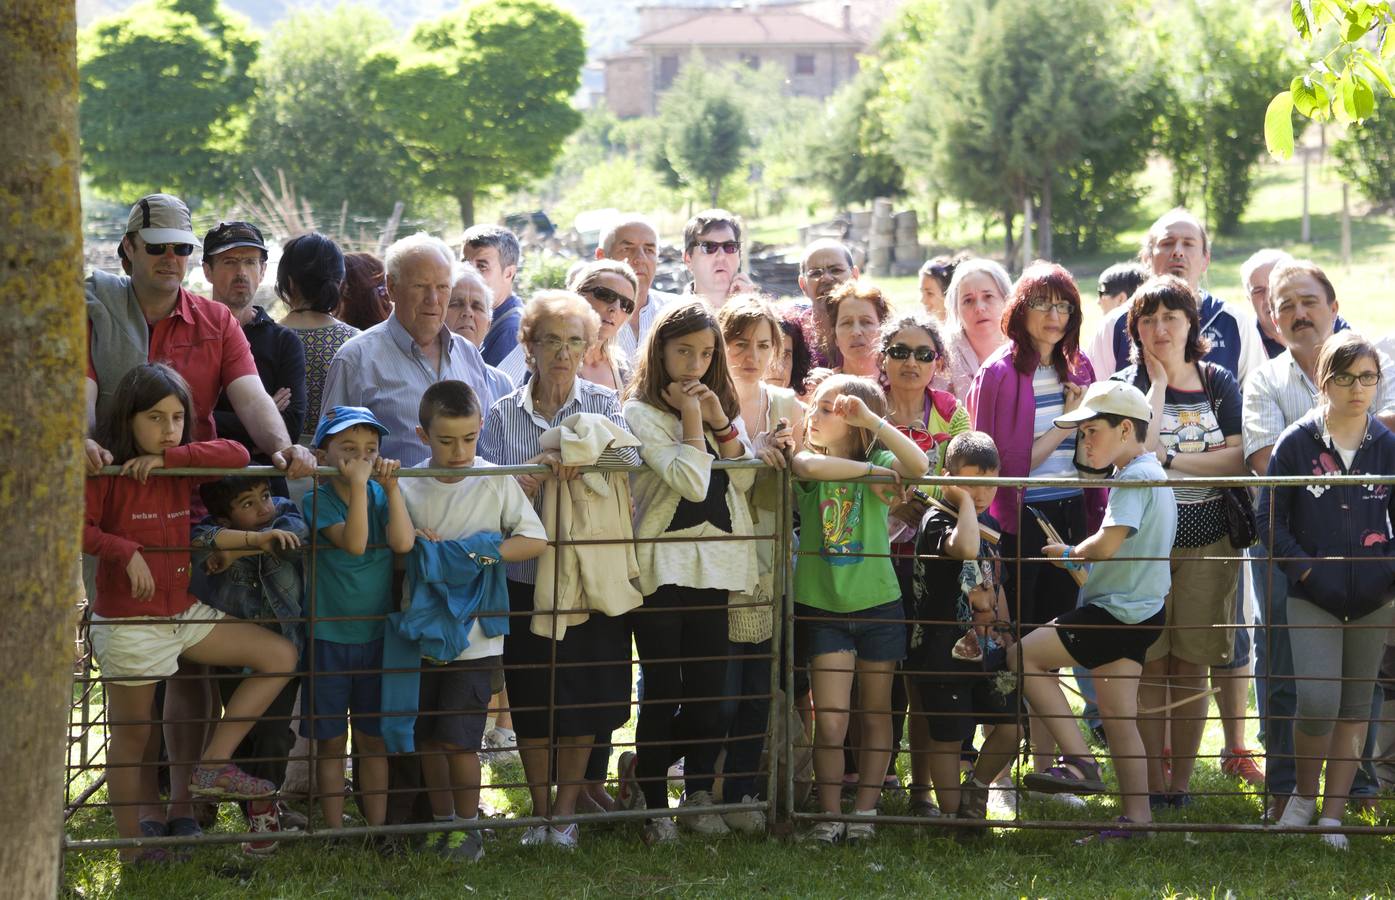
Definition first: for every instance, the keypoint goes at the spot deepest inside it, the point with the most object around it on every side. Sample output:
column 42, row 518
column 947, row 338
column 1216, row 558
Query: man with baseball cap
column 234, row 262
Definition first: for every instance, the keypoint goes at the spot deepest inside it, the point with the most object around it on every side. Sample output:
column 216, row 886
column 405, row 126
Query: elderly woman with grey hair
column 974, row 304
column 469, row 314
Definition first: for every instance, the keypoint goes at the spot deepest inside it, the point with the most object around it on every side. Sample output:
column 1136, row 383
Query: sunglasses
column 712, row 247
column 922, row 354
column 179, row 249
column 607, row 296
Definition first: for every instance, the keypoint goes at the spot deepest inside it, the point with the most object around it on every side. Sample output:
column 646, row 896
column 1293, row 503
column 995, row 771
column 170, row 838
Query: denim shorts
column 877, row 634
column 341, row 684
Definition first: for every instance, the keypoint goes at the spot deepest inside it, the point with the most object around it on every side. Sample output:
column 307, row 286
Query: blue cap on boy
column 341, row 417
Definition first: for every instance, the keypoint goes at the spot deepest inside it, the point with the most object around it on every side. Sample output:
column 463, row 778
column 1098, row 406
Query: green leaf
column 1301, row 12
column 1374, row 66
column 1278, row 126
column 1309, row 97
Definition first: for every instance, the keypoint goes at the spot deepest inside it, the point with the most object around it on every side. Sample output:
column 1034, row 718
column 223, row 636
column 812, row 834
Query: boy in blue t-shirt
column 1122, row 610
column 352, row 577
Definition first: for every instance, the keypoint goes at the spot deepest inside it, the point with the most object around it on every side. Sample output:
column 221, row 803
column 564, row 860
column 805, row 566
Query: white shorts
column 147, row 650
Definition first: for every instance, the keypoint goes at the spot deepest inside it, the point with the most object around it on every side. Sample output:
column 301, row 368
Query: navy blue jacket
column 1339, row 520
column 1222, row 331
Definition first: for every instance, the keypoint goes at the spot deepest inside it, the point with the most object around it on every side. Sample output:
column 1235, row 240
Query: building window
column 750, row 60
column 804, row 64
column 668, row 70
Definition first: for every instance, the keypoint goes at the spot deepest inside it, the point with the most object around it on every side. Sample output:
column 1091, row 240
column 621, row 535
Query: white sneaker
column 829, row 833
column 1335, row 841
column 535, row 836
column 563, row 837
column 748, row 821
column 861, row 828
column 703, row 823
column 1070, row 801
column 1298, row 813
column 660, row 831
column 1003, row 799
column 500, row 746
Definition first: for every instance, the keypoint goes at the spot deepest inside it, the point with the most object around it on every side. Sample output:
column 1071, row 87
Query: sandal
column 1113, row 834
column 229, row 783
column 1070, row 775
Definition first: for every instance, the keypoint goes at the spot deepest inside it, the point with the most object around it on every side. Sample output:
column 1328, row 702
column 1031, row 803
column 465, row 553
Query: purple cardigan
column 1001, row 403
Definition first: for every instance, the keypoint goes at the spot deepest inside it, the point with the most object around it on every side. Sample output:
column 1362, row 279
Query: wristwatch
column 1167, row 460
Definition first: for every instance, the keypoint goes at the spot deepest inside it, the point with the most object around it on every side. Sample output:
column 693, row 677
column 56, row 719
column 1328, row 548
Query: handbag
column 1240, row 523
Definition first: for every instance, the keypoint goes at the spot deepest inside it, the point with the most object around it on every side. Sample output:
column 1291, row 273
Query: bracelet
column 701, row 442
column 878, row 430
column 246, row 538
column 870, row 467
column 731, row 434
column 1070, row 566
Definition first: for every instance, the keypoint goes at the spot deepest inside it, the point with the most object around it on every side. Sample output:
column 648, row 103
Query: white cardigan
column 674, row 470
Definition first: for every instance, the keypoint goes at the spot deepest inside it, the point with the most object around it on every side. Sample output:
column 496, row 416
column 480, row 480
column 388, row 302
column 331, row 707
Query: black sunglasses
column 179, row 249
column 922, row 354
column 711, row 247
column 606, row 295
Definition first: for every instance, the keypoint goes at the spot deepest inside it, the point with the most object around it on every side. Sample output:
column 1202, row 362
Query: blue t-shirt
column 1133, row 584
column 348, row 585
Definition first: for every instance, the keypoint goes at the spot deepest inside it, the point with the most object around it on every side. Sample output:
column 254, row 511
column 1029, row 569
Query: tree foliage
column 1342, row 83
column 311, row 118
column 852, row 150
column 164, row 87
column 1212, row 125
column 481, row 99
column 1366, row 157
column 706, row 130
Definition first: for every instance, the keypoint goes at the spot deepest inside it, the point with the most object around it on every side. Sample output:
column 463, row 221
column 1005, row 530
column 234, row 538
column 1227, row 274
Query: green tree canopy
column 481, row 99
column 705, row 127
column 311, row 117
column 852, row 150
column 1366, row 157
column 163, row 91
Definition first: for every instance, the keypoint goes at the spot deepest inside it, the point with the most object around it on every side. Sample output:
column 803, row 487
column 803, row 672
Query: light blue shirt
column 384, row 370
column 1132, row 586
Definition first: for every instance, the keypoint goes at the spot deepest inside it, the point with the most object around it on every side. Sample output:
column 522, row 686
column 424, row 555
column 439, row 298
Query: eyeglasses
column 553, row 345
column 922, row 354
column 1346, row 379
column 607, row 296
column 159, row 249
column 830, row 271
column 712, row 247
column 1041, row 304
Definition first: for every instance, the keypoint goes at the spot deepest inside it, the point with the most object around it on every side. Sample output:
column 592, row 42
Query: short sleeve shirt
column 940, row 600
column 844, row 564
column 1190, row 425
column 344, row 584
column 1131, row 587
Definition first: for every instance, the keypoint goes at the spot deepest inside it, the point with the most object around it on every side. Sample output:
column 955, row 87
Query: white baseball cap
column 1114, row 398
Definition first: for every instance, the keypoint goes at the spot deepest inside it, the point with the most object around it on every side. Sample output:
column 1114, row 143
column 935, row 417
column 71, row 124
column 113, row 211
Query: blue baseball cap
column 341, row 417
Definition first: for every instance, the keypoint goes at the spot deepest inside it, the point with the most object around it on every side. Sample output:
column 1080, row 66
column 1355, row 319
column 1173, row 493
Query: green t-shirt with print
column 844, row 564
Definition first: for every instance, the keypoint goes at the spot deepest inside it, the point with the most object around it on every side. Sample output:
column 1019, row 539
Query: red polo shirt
column 201, row 341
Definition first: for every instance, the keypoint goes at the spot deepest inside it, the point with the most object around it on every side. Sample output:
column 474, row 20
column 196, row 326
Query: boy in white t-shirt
column 454, row 695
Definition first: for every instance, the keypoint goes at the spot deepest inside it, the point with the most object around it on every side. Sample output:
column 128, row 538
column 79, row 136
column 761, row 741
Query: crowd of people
column 441, row 616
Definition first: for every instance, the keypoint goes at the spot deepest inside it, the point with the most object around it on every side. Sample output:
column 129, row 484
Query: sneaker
column 470, row 849
column 627, row 792
column 291, row 820
column 534, row 836
column 828, row 833
column 748, row 821
column 973, row 800
column 1003, row 798
column 1240, row 763
column 862, row 828
column 660, row 831
column 1298, row 813
column 702, row 823
column 924, row 809
column 1070, row 801
column 262, row 818
column 1335, row 841
column 229, row 783
column 500, row 745
column 152, row 828
column 564, row 838
column 183, row 826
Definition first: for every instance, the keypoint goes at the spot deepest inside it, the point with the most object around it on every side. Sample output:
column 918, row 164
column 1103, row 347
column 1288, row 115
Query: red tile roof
column 729, row 28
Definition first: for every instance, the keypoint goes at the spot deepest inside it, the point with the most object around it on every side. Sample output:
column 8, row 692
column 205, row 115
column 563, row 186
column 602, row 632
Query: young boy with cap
column 352, row 519
column 1121, row 612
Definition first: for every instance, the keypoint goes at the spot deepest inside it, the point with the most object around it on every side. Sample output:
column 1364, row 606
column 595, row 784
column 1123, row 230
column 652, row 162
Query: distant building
column 817, row 56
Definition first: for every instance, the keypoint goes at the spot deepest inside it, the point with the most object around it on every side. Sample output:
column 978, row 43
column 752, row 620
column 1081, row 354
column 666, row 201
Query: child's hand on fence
column 1055, row 552
column 97, row 456
column 141, row 467
column 276, row 539
column 887, row 493
column 385, row 473
column 770, row 446
column 142, row 582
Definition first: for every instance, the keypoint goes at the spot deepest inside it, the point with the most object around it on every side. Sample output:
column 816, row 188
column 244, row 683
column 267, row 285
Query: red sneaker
column 262, row 818
column 1240, row 763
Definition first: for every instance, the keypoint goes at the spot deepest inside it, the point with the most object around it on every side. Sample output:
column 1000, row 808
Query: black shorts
column 954, row 708
column 1105, row 639
column 453, row 701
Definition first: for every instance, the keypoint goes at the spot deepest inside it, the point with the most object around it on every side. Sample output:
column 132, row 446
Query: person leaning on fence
column 247, row 563
column 1122, row 610
column 1195, row 432
column 1340, row 610
column 960, row 631
column 557, row 712
column 487, row 521
column 682, row 407
column 143, row 616
column 360, row 521
column 846, row 590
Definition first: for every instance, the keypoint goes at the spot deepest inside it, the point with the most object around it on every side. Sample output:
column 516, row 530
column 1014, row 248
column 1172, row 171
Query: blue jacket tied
column 450, row 584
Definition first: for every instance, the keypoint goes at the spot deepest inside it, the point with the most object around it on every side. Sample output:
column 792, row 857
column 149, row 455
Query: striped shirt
column 384, row 370
column 512, row 436
column 626, row 339
column 1051, row 405
column 1280, row 393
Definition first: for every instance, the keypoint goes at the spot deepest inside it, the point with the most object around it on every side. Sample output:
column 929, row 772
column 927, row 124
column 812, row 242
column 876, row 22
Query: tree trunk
column 466, row 200
column 1009, row 245
column 714, row 189
column 43, row 333
column 1044, row 247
